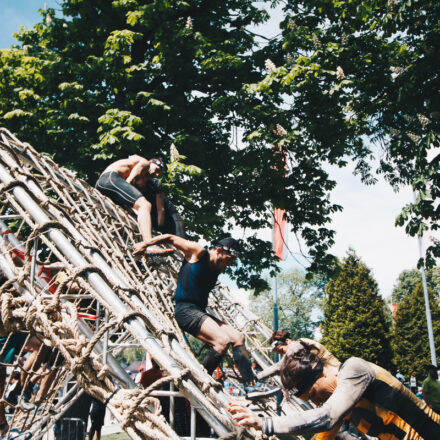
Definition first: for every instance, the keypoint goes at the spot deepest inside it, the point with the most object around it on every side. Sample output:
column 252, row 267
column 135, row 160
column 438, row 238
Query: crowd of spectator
column 428, row 389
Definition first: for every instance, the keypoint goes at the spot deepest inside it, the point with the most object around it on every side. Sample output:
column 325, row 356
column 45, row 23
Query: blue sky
column 15, row 13
column 367, row 222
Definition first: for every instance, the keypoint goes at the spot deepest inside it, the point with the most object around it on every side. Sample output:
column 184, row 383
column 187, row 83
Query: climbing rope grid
column 72, row 295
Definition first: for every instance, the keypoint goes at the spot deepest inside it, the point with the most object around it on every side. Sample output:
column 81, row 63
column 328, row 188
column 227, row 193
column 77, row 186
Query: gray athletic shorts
column 191, row 317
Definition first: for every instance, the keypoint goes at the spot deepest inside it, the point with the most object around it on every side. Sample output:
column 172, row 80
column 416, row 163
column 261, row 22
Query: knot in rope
column 103, row 373
column 205, row 387
column 77, row 366
column 7, row 310
column 166, row 332
column 48, row 309
column 30, row 319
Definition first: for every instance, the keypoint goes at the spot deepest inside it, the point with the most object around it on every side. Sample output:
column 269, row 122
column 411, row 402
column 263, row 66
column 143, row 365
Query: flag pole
column 426, row 296
column 275, row 310
column 275, row 303
column 278, row 243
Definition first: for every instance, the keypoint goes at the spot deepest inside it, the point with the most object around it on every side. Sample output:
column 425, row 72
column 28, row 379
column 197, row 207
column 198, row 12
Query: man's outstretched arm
column 191, row 249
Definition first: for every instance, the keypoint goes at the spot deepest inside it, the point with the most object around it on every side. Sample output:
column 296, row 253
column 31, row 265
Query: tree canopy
column 409, row 279
column 99, row 80
column 411, row 343
column 297, row 303
column 362, row 81
column 354, row 315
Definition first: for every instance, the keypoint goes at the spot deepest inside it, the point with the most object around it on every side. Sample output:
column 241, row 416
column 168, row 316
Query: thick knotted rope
column 110, row 231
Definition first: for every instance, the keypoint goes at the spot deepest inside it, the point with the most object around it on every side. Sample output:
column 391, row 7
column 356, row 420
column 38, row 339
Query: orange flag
column 279, row 229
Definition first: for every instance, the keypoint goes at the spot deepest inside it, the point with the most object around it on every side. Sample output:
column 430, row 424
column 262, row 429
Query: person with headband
column 197, row 277
column 280, row 341
column 371, row 398
column 118, row 182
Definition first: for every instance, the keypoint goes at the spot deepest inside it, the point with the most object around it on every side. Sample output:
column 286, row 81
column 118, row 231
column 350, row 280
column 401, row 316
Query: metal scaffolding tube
column 114, row 367
column 112, row 276
column 134, row 325
column 247, row 315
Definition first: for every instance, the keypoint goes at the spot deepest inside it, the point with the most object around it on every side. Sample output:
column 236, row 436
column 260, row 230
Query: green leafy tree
column 361, row 77
column 297, row 301
column 99, row 80
column 411, row 344
column 409, row 279
column 354, row 318
column 129, row 355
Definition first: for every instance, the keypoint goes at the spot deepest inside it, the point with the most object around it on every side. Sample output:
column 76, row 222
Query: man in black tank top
column 197, row 277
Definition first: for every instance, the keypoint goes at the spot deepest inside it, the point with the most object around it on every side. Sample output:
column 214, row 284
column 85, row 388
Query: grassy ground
column 117, row 436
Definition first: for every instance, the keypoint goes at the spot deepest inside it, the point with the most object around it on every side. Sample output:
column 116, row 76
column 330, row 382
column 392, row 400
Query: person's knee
column 237, row 338
column 221, row 343
column 142, row 204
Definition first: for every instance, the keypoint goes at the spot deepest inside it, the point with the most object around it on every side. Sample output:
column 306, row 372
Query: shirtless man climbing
column 118, row 183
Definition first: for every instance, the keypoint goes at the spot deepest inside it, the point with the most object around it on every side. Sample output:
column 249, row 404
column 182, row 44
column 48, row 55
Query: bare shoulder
column 192, row 250
column 136, row 159
column 199, row 251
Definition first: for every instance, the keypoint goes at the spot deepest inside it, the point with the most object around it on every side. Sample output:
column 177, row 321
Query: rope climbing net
column 72, row 294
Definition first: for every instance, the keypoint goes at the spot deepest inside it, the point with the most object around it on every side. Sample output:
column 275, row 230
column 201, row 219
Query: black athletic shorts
column 152, row 189
column 97, row 414
column 191, row 317
column 118, row 189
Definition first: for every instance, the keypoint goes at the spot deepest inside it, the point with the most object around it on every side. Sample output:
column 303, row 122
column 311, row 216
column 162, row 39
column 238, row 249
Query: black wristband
column 268, row 426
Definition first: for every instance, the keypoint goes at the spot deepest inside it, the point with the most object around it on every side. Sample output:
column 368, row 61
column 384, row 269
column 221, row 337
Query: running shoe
column 156, row 250
column 261, row 391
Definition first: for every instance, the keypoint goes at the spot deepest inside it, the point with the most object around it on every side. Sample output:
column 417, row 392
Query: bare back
column 124, row 166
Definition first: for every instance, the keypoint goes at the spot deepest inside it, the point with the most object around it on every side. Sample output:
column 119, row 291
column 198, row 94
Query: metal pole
column 426, row 295
column 172, row 406
column 427, row 310
column 275, row 304
column 105, row 350
column 33, row 263
column 275, row 311
column 275, row 328
column 193, row 423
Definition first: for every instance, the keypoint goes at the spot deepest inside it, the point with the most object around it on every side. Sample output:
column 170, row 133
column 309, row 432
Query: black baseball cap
column 229, row 246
